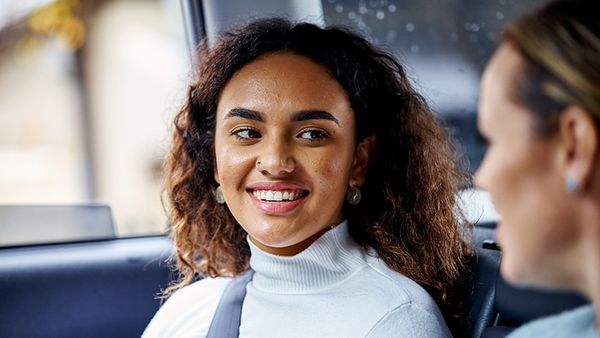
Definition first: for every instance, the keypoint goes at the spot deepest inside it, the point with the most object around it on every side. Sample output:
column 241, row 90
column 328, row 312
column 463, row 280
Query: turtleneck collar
column 329, row 260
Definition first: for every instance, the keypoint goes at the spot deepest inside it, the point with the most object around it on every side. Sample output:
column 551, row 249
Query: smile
column 277, row 198
column 278, row 195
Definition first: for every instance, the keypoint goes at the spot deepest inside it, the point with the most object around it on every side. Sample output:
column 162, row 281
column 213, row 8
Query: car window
column 88, row 89
column 444, row 44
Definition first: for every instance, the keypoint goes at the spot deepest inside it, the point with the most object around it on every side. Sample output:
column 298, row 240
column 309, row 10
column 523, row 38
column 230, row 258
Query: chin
column 524, row 276
column 515, row 273
column 272, row 237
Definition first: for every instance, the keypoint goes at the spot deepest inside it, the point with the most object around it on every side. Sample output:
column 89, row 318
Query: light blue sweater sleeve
column 410, row 320
column 579, row 322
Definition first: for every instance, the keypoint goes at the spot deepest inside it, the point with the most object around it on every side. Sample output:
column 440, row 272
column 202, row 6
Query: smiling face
column 285, row 151
column 523, row 173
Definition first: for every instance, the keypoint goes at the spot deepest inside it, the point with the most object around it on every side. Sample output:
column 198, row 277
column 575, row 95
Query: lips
column 277, row 198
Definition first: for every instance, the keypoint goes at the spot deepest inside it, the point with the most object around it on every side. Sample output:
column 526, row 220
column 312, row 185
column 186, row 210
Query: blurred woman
column 540, row 112
column 303, row 154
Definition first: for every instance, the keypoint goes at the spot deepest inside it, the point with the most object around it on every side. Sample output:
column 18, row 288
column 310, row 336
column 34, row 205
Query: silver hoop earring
column 353, row 195
column 572, row 184
column 219, row 195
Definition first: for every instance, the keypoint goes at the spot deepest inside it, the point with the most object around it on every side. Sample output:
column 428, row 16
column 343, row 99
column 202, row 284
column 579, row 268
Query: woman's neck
column 592, row 278
column 589, row 257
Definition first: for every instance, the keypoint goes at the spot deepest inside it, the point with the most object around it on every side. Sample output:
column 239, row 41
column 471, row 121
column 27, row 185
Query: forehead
column 498, row 83
column 283, row 80
column 502, row 73
column 281, row 65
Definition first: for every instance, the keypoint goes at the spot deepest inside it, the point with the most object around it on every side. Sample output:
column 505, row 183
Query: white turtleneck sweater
column 334, row 288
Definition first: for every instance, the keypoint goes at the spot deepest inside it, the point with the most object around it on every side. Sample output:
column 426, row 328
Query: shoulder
column 399, row 288
column 189, row 311
column 579, row 322
column 410, row 320
column 410, row 310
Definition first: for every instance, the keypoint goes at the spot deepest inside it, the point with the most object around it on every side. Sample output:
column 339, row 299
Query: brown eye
column 246, row 133
column 313, row 134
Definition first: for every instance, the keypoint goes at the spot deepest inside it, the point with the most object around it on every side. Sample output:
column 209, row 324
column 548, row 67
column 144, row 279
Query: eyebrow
column 303, row 115
column 246, row 114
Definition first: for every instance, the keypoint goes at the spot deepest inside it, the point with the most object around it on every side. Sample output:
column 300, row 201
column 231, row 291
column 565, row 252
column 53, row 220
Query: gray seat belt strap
column 226, row 321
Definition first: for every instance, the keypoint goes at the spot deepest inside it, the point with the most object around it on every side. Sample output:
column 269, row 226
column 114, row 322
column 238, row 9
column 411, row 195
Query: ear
column 216, row 174
column 579, row 140
column 363, row 155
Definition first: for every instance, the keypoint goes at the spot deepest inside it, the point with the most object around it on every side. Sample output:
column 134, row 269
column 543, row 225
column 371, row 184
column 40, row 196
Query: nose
column 479, row 178
column 276, row 159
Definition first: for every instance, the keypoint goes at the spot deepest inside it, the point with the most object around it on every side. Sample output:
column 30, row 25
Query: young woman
column 540, row 112
column 304, row 154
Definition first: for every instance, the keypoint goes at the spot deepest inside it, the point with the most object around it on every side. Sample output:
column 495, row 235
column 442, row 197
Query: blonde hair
column 560, row 44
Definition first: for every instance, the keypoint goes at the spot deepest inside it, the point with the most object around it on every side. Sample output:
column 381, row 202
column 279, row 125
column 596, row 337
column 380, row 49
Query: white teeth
column 276, row 195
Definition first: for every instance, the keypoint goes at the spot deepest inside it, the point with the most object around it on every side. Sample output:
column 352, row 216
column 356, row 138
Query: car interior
column 110, row 288
column 95, row 284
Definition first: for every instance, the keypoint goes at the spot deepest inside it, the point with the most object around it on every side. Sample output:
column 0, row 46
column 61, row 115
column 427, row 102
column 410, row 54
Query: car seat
column 497, row 308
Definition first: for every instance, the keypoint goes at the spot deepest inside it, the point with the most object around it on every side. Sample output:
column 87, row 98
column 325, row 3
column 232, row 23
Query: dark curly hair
column 408, row 212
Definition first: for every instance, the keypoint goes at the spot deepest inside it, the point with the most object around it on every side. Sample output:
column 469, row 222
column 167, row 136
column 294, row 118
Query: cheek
column 230, row 165
column 510, row 175
column 331, row 168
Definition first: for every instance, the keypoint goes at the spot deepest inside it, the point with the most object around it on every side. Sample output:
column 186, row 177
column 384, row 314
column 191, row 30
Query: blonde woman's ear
column 579, row 141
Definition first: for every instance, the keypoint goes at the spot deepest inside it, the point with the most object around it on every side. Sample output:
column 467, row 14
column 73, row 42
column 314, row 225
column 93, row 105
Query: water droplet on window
column 472, row 27
column 361, row 25
column 363, row 9
column 339, row 8
column 391, row 36
column 410, row 27
column 331, row 1
column 373, row 3
column 351, row 15
column 392, row 8
column 499, row 15
column 414, row 48
column 380, row 15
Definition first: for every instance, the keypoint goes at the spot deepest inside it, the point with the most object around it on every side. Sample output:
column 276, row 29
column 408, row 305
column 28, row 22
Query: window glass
column 444, row 45
column 88, row 89
column 87, row 93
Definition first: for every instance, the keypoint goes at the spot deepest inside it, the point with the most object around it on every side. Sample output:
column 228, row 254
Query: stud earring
column 219, row 195
column 572, row 184
column 353, row 195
